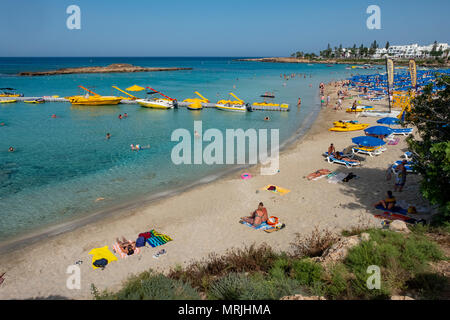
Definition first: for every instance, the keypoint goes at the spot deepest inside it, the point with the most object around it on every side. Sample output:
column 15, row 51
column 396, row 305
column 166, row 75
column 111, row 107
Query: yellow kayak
column 8, row 101
column 344, row 123
column 40, row 100
column 359, row 109
column 353, row 127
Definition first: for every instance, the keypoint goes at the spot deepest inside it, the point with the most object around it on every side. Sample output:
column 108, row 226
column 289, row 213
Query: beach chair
column 402, row 131
column 345, row 155
column 408, row 155
column 348, row 164
column 370, row 151
column 408, row 166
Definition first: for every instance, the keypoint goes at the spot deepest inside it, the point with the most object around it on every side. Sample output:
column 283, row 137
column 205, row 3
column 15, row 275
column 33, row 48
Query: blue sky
column 212, row 28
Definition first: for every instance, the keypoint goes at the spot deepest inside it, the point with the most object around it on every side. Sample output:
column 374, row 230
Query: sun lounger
column 408, row 166
column 408, row 155
column 345, row 155
column 402, row 131
column 348, row 164
column 370, row 151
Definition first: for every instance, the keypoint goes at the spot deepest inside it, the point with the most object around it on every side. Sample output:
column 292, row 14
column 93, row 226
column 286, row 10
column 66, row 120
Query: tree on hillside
column 431, row 151
column 387, row 45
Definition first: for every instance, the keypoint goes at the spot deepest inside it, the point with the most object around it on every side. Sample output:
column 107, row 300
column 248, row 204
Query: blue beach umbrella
column 378, row 130
column 389, row 121
column 367, row 141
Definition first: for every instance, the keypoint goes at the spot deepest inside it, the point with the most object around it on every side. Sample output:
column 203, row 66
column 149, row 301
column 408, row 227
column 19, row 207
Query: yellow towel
column 100, row 253
column 279, row 190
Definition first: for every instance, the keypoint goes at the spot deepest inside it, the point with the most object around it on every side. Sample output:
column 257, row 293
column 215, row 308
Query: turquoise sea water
column 61, row 166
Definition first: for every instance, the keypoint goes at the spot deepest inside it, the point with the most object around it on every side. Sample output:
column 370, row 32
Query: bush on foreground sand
column 260, row 273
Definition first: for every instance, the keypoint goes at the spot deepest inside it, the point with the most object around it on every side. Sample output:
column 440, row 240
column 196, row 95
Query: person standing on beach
column 400, row 179
column 328, row 100
column 322, row 101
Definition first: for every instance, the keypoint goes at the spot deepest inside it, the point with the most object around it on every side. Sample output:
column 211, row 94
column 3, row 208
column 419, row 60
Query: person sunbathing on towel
column 258, row 216
column 127, row 246
column 318, row 173
column 387, row 203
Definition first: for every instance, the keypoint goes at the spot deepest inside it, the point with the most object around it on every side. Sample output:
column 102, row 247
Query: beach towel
column 262, row 226
column 102, row 253
column 276, row 189
column 394, row 216
column 395, row 209
column 158, row 239
column 393, row 142
column 337, row 178
column 117, row 249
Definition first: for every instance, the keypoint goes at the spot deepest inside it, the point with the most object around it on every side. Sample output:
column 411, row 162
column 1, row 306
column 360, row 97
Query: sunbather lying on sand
column 317, row 174
column 127, row 246
column 387, row 203
column 258, row 216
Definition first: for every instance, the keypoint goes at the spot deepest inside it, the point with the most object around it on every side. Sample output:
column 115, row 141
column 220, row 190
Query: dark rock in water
column 112, row 68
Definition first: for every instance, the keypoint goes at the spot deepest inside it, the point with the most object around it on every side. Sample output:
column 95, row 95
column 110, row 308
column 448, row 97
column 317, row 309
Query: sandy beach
column 205, row 219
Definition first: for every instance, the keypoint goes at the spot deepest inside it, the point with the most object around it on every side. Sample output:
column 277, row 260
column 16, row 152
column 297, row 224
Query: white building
column 411, row 51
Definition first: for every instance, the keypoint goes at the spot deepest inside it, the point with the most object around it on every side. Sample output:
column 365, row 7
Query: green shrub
column 313, row 244
column 249, row 259
column 398, row 256
column 307, row 272
column 337, row 286
column 429, row 286
column 281, row 268
column 229, row 287
column 149, row 286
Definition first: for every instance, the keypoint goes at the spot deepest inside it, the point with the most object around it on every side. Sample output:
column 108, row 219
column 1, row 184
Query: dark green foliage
column 149, row 286
column 431, row 115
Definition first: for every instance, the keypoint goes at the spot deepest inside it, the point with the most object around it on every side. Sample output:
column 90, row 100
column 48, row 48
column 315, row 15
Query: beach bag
column 100, row 263
column 140, row 242
column 272, row 188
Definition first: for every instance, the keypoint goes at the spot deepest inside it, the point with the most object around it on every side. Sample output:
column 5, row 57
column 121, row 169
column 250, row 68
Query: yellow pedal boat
column 8, row 101
column 94, row 99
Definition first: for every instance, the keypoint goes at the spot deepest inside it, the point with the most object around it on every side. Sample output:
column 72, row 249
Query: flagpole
column 389, row 91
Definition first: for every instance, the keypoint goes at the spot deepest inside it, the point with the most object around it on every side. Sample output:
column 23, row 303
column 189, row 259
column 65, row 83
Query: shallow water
column 61, row 166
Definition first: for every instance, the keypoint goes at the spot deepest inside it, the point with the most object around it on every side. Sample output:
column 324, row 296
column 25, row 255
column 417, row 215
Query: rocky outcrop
column 399, row 226
column 401, row 298
column 112, row 68
column 339, row 250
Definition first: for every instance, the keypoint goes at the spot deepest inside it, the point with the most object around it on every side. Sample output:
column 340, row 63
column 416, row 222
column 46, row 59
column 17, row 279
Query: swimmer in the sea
column 11, row 149
column 108, row 135
column 266, row 119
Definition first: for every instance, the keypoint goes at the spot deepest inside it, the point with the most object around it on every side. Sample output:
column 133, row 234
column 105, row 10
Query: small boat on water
column 9, row 93
column 237, row 105
column 94, row 99
column 36, row 101
column 232, row 107
column 8, row 101
column 158, row 103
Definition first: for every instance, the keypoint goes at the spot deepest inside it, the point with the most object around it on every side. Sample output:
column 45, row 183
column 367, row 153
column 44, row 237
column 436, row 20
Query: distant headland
column 116, row 67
